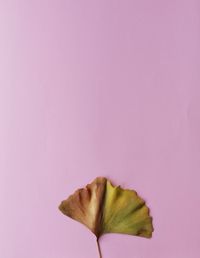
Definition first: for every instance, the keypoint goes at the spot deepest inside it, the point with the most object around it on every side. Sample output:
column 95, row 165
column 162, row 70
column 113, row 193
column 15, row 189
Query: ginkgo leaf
column 105, row 208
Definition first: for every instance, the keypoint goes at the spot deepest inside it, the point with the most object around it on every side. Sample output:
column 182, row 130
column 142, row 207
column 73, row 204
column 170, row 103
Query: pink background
column 90, row 88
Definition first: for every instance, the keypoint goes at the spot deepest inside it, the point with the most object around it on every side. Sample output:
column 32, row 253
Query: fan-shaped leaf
column 104, row 208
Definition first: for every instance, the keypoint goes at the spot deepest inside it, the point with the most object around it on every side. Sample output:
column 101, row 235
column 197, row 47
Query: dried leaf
column 86, row 205
column 105, row 208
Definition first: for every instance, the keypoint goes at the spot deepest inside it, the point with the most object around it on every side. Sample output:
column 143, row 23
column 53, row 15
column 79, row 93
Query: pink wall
column 91, row 88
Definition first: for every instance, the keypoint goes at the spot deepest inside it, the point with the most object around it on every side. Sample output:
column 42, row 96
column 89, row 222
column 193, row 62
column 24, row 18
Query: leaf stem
column 99, row 248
